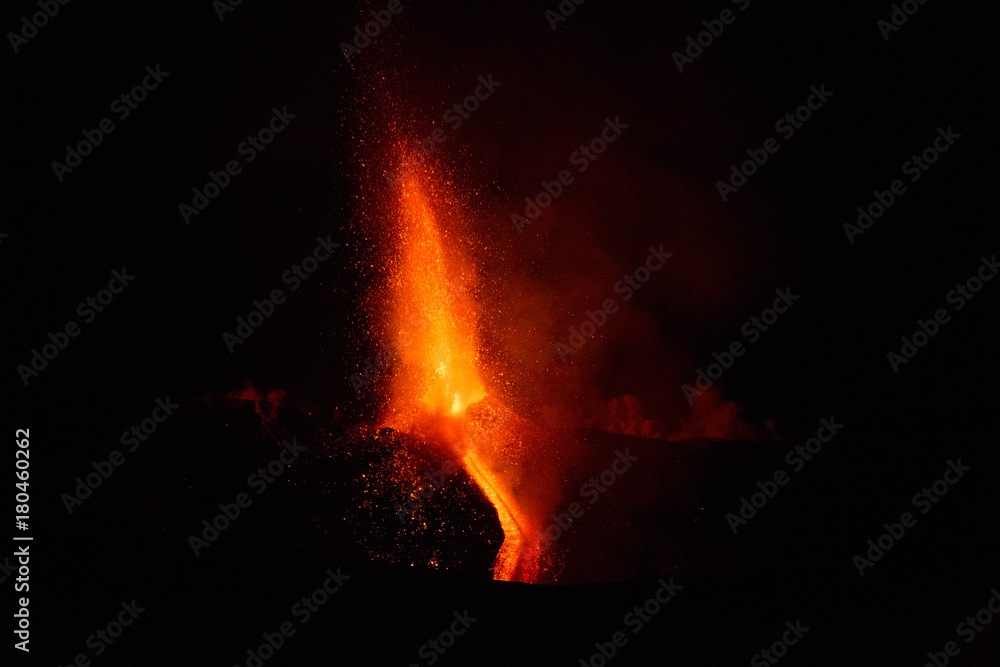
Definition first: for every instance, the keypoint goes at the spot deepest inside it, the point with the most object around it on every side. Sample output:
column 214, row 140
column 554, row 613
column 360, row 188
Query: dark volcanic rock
column 373, row 474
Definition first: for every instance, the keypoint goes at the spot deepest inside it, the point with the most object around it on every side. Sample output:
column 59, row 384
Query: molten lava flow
column 518, row 557
column 439, row 377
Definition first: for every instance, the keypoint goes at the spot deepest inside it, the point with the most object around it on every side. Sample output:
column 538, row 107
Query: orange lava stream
column 516, row 560
column 439, row 376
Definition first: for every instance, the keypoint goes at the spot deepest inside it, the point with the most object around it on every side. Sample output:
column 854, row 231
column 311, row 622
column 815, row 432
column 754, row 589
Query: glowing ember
column 439, row 376
column 442, row 360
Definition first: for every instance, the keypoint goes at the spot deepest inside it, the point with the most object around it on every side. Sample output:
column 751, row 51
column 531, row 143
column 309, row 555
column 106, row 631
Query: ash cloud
column 652, row 186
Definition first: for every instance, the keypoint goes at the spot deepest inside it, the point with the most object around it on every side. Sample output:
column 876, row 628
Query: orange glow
column 442, row 358
column 518, row 558
column 439, row 375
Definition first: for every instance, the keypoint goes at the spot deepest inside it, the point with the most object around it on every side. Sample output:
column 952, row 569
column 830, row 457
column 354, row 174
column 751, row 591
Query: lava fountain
column 438, row 392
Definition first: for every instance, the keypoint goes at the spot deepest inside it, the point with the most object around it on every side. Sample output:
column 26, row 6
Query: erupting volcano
column 438, row 392
column 472, row 372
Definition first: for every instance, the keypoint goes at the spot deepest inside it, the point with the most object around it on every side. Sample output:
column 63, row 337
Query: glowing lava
column 442, row 358
column 518, row 557
column 439, row 375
